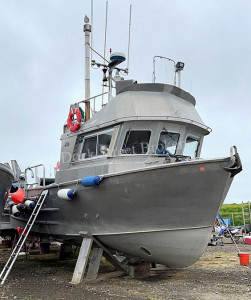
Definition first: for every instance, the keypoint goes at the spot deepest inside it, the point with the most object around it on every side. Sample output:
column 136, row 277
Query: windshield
column 136, row 142
column 168, row 142
column 191, row 147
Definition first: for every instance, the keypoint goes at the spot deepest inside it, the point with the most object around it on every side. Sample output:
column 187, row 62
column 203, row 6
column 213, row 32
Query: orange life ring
column 72, row 123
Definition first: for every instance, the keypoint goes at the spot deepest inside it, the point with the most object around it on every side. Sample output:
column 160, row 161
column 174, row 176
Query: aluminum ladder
column 14, row 254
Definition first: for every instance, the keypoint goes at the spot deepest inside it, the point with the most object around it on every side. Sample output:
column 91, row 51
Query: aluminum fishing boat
column 6, row 178
column 131, row 174
column 6, row 230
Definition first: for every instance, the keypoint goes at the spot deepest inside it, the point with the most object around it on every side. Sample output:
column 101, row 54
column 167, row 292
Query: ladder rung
column 23, row 236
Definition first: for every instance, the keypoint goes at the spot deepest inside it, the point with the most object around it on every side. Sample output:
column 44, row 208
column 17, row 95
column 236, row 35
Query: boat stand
column 98, row 250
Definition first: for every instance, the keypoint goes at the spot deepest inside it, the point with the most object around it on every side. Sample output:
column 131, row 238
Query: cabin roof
column 160, row 102
column 161, row 88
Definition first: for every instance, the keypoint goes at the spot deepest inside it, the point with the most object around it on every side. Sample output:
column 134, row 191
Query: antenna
column 91, row 27
column 106, row 13
column 87, row 31
column 129, row 36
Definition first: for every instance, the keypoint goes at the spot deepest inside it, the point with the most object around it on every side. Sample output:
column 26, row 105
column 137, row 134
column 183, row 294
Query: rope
column 82, row 114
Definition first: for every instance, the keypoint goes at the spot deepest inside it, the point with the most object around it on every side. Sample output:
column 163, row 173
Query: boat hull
column 6, row 178
column 168, row 210
column 172, row 248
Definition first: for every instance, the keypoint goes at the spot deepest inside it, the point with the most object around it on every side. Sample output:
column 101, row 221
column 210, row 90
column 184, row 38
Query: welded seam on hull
column 157, row 230
column 136, row 232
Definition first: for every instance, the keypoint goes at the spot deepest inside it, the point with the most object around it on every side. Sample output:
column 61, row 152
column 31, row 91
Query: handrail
column 83, row 101
column 91, row 98
column 154, row 72
column 34, row 167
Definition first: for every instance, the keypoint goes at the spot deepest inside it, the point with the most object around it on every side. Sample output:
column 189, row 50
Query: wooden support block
column 94, row 263
column 139, row 270
column 82, row 260
column 98, row 250
column 45, row 248
column 66, row 252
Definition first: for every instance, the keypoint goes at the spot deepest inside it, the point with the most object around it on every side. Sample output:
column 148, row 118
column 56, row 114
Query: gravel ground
column 217, row 275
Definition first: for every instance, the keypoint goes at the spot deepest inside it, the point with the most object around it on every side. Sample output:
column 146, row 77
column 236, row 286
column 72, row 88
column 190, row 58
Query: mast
column 87, row 31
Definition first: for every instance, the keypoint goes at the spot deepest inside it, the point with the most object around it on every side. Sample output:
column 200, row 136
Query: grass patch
column 233, row 212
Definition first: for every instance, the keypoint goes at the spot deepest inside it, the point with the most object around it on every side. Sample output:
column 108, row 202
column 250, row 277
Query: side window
column 89, row 149
column 136, row 142
column 96, row 145
column 191, row 147
column 104, row 141
column 168, row 142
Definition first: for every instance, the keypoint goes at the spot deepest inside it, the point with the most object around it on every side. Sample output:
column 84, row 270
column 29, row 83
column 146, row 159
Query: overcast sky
column 42, row 68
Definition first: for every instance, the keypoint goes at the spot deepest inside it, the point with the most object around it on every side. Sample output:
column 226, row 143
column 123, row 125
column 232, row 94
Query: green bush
column 236, row 209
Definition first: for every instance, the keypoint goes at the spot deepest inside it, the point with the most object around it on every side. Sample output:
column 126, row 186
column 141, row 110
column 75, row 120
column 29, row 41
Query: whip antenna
column 106, row 13
column 91, row 27
column 129, row 37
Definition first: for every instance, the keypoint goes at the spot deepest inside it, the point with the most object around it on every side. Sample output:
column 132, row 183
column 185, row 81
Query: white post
column 82, row 260
column 94, row 264
column 87, row 31
column 179, row 78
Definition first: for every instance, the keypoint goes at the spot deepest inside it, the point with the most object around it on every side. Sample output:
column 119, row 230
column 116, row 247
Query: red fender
column 20, row 230
column 72, row 124
column 18, row 196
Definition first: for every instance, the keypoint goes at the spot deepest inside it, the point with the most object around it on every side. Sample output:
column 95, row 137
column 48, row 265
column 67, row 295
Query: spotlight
column 179, row 66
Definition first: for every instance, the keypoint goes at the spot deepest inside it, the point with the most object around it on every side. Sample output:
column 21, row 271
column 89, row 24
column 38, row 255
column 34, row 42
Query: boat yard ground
column 217, row 275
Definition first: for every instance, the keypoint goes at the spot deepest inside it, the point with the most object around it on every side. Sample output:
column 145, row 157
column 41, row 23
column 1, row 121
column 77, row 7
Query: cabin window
column 191, row 147
column 168, row 142
column 97, row 145
column 136, row 142
column 104, row 141
column 90, row 147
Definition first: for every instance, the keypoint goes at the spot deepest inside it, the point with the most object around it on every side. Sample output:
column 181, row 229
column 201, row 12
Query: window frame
column 135, row 129
column 196, row 138
column 168, row 132
column 92, row 135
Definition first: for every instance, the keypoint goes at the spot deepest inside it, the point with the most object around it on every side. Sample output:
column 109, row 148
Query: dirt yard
column 217, row 275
